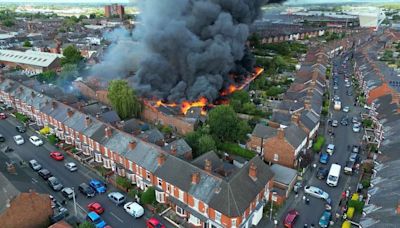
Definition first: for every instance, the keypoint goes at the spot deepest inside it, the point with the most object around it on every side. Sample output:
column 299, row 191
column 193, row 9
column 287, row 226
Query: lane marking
column 117, row 217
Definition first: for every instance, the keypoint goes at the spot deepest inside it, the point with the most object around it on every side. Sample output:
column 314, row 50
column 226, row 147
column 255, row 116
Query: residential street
column 344, row 136
column 27, row 179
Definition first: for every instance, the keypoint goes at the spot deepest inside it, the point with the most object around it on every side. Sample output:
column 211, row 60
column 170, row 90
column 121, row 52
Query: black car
column 349, row 93
column 45, row 174
column 344, row 121
column 322, row 173
column 86, row 190
column 20, row 129
column 2, row 139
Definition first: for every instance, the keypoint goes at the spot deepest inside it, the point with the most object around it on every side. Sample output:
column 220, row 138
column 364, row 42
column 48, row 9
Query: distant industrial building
column 34, row 61
column 114, row 10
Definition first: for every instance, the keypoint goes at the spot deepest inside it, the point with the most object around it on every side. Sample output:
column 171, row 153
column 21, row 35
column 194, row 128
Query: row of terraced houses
column 205, row 191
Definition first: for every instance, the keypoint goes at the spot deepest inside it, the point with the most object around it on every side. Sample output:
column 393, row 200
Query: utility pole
column 272, row 205
column 73, row 196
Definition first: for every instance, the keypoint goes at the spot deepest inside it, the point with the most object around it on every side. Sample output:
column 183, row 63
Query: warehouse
column 34, row 61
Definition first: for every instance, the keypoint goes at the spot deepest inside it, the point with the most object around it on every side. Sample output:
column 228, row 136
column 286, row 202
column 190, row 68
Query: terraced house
column 206, row 192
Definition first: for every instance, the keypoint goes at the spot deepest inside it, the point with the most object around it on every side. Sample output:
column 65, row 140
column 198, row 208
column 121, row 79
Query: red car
column 57, row 156
column 96, row 207
column 3, row 116
column 154, row 223
column 291, row 218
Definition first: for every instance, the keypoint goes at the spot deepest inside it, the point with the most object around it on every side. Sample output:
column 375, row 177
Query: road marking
column 34, row 180
column 117, row 217
column 4, row 190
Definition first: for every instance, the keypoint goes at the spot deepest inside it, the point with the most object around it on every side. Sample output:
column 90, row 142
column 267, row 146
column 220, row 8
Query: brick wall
column 282, row 148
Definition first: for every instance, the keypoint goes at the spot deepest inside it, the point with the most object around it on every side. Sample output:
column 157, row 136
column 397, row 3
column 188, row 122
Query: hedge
column 235, row 149
column 319, row 143
column 358, row 205
column 52, row 139
column 123, row 182
column 21, row 117
column 149, row 196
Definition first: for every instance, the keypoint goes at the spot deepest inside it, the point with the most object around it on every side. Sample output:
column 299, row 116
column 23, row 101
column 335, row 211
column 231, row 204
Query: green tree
column 123, row 99
column 8, row 22
column 47, row 76
column 206, row 143
column 192, row 139
column 81, row 17
column 27, row 43
column 149, row 196
column 225, row 125
column 86, row 224
column 92, row 16
column 72, row 55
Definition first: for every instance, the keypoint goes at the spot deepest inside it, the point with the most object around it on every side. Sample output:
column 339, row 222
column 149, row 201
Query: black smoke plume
column 190, row 48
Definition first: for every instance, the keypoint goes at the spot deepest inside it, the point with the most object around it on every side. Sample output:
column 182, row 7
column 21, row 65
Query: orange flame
column 232, row 88
column 186, row 105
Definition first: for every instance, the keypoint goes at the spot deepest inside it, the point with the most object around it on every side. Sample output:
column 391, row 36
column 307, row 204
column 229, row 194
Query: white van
column 333, row 176
column 134, row 209
column 337, row 106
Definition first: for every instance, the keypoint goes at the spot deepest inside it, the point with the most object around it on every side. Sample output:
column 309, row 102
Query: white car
column 19, row 140
column 35, row 140
column 346, row 109
column 316, row 192
column 134, row 209
column 356, row 128
column 330, row 149
column 71, row 166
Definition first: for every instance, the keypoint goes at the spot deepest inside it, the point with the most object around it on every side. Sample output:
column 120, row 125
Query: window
column 180, row 211
column 160, row 197
column 217, row 217
column 97, row 157
column 84, row 139
column 159, row 182
column 180, row 195
column 276, row 157
column 97, row 146
column 148, row 176
column 233, row 223
column 195, row 203
column 168, row 188
column 130, row 166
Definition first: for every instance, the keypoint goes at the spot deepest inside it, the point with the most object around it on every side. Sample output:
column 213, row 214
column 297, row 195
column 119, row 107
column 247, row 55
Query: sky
column 126, row 1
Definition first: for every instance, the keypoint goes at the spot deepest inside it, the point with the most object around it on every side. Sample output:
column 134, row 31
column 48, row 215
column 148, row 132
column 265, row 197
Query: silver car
column 71, row 166
column 35, row 165
column 54, row 183
column 316, row 192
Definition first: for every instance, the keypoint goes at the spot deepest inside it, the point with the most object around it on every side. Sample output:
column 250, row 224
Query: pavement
column 26, row 179
column 344, row 136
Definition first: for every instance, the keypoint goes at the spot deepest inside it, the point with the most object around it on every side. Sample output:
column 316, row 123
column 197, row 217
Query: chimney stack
column 173, row 150
column 195, row 178
column 88, row 121
column 21, row 89
column 53, row 105
column 295, row 118
column 281, row 133
column 108, row 132
column 132, row 145
column 98, row 116
column 307, row 104
column 69, row 112
column 161, row 159
column 33, row 94
column 207, row 166
column 253, row 171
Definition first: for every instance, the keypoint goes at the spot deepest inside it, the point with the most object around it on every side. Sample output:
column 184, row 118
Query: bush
column 52, row 139
column 149, row 196
column 366, row 183
column 132, row 193
column 357, row 205
column 21, row 117
column 319, row 143
column 74, row 150
column 235, row 149
column 123, row 182
column 86, row 224
column 367, row 123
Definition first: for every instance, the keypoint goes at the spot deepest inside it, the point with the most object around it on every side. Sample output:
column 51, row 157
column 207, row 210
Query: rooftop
column 35, row 58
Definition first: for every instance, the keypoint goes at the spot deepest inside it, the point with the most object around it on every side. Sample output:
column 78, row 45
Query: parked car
column 116, row 197
column 355, row 149
column 20, row 129
column 344, row 121
column 57, row 156
column 349, row 167
column 35, row 165
column 354, row 157
column 35, row 140
column 316, row 192
column 54, row 183
column 354, row 119
column 335, row 87
column 98, row 186
column 45, row 174
column 322, row 173
column 154, row 223
column 86, row 190
column 68, row 193
column 71, row 166
column 356, row 128
column 349, row 93
column 19, row 140
column 324, row 158
column 96, row 207
column 134, row 209
column 325, row 219
column 335, row 123
column 346, row 109
column 290, row 218
column 95, row 219
column 3, row 116
column 2, row 138
column 330, row 149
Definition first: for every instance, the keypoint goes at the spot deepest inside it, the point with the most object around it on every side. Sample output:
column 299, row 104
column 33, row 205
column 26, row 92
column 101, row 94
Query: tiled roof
column 262, row 131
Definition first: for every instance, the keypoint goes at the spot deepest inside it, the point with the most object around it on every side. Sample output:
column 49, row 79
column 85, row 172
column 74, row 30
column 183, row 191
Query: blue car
column 95, row 219
column 324, row 158
column 325, row 219
column 98, row 186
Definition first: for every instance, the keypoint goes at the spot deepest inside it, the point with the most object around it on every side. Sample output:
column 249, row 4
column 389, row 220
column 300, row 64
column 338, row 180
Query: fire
column 160, row 103
column 186, row 105
column 232, row 88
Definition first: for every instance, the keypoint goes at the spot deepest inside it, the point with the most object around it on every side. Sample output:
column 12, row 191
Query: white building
column 32, row 61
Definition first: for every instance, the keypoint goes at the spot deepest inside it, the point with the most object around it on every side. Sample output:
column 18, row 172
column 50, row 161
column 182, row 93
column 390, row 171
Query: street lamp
column 73, row 197
column 273, row 198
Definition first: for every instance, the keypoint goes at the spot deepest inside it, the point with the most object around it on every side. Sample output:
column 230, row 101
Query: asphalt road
column 28, row 179
column 344, row 136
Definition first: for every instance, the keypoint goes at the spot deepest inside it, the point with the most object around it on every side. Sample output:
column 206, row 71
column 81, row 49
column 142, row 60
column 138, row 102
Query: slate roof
column 181, row 147
column 152, row 135
column 283, row 174
column 262, row 131
column 295, row 135
column 309, row 119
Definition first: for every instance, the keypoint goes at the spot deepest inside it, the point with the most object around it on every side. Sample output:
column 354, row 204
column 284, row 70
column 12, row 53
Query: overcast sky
column 126, row 1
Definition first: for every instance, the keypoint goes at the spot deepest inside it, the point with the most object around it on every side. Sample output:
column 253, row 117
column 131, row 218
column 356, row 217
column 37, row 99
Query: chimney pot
column 70, row 112
column 281, row 133
column 33, row 94
column 98, row 116
column 173, row 150
column 53, row 104
column 161, row 159
column 207, row 165
column 132, row 145
column 88, row 121
column 195, row 178
column 253, row 171
column 295, row 118
column 108, row 132
column 21, row 89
